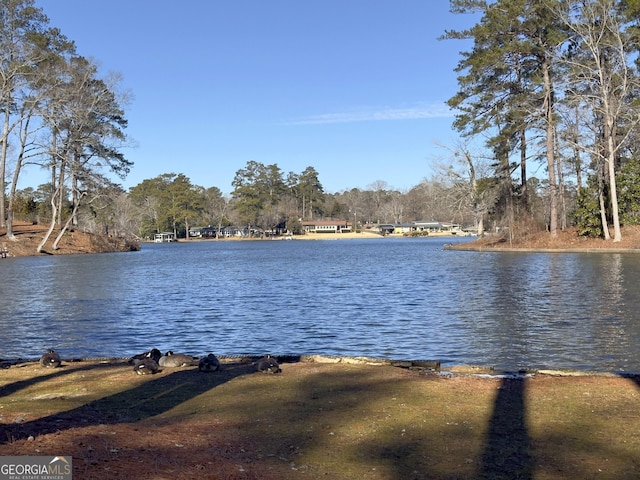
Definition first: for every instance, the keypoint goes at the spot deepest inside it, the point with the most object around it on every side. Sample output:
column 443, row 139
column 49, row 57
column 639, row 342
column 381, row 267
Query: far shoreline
column 322, row 236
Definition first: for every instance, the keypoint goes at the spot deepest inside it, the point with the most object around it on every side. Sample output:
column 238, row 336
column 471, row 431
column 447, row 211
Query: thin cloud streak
column 389, row 114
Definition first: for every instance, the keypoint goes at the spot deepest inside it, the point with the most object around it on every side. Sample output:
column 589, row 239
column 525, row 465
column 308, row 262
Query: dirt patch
column 319, row 420
column 28, row 237
column 565, row 240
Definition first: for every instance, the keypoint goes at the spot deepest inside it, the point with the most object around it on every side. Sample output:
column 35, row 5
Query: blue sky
column 353, row 88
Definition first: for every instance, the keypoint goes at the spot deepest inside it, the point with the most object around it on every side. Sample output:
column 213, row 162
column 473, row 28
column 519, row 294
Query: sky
column 353, row 88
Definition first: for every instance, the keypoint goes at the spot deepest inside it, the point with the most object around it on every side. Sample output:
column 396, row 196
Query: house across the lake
column 204, row 232
column 396, row 228
column 331, row 225
column 163, row 237
column 421, row 227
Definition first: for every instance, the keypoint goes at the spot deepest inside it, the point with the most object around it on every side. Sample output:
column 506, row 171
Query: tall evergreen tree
column 506, row 87
column 311, row 192
column 257, row 191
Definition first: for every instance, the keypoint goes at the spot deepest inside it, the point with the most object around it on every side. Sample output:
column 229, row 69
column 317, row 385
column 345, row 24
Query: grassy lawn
column 320, row 420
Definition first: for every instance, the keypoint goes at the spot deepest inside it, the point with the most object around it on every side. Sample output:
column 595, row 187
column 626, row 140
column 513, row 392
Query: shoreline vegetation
column 28, row 236
column 324, row 417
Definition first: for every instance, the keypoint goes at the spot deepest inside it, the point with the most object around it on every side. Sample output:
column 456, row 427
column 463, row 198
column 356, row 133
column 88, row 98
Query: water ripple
column 394, row 298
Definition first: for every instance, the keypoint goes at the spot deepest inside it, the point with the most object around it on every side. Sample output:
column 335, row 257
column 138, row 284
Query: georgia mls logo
column 35, row 468
column 59, row 465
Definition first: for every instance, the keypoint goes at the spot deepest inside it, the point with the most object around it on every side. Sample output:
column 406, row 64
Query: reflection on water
column 394, row 298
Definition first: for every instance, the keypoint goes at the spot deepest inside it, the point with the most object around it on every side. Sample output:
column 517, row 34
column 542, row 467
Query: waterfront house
column 331, row 225
column 164, row 237
column 431, row 226
column 203, row 232
column 421, row 227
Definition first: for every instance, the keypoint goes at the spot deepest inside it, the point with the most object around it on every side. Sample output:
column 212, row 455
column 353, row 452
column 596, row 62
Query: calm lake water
column 388, row 298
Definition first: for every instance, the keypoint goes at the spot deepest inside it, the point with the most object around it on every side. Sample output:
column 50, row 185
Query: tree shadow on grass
column 507, row 453
column 346, row 424
column 269, row 426
column 161, row 393
column 505, row 448
column 65, row 369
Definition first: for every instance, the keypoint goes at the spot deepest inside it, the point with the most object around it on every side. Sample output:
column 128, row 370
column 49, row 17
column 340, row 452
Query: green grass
column 330, row 421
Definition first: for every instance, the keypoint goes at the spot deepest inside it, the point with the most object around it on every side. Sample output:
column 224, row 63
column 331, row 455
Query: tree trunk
column 603, row 210
column 10, row 235
column 617, row 233
column 3, row 160
column 59, row 188
column 67, row 223
column 562, row 204
column 62, row 232
column 473, row 181
column 52, row 224
column 523, row 169
column 14, row 183
column 75, row 197
column 480, row 231
column 551, row 164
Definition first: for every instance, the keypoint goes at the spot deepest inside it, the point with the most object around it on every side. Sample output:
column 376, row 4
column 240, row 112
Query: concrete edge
column 428, row 366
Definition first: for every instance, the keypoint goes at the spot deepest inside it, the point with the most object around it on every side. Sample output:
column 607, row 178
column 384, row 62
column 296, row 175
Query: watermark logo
column 35, row 468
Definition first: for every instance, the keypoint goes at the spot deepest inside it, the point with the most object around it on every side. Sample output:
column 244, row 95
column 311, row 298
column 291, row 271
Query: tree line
column 551, row 84
column 264, row 197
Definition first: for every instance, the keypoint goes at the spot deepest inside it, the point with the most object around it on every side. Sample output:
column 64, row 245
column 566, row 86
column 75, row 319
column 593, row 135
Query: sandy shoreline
column 338, row 236
column 324, row 236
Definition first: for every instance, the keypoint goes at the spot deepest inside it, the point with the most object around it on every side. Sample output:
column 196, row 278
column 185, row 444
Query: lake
column 388, row 298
